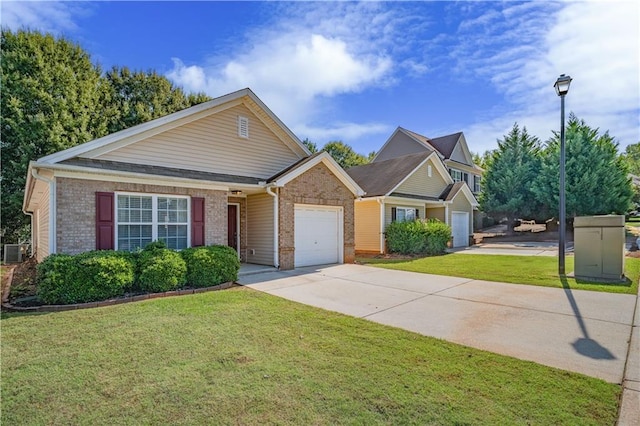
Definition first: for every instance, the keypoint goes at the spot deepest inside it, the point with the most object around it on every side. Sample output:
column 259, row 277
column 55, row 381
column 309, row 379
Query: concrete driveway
column 581, row 331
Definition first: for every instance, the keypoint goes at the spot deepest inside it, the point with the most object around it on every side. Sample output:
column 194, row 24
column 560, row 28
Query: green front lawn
column 243, row 357
column 534, row 270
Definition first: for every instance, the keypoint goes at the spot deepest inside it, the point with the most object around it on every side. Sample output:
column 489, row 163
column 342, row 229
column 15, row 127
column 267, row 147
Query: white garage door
column 460, row 228
column 318, row 236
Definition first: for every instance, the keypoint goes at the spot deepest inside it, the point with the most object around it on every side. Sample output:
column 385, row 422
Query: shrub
column 160, row 269
column 438, row 235
column 87, row 277
column 211, row 265
column 419, row 236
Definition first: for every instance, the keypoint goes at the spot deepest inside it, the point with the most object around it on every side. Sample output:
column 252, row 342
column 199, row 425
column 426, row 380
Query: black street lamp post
column 562, row 88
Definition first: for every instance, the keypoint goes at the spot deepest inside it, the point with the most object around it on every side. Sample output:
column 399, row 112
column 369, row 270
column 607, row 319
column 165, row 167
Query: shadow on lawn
column 585, row 346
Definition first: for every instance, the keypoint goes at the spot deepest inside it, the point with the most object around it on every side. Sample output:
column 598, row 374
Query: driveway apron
column 581, row 331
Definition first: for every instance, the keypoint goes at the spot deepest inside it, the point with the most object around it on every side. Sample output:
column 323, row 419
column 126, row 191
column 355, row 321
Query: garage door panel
column 317, row 235
column 460, row 228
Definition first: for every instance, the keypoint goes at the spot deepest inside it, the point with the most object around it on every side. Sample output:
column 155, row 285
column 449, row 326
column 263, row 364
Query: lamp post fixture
column 562, row 88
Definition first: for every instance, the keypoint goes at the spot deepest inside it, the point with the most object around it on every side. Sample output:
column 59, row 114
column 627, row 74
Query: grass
column 534, row 270
column 243, row 357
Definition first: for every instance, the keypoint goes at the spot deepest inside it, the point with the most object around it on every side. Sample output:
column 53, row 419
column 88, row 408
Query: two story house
column 414, row 177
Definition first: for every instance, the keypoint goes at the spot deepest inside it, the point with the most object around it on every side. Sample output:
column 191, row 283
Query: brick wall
column 76, row 210
column 317, row 186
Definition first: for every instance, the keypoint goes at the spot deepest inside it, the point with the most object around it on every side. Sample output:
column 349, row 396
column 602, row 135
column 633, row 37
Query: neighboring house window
column 456, row 175
column 476, row 183
column 142, row 219
column 403, row 214
column 243, row 127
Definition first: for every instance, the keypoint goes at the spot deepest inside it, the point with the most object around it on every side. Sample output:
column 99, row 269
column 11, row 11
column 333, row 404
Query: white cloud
column 344, row 132
column 596, row 43
column 312, row 53
column 47, row 16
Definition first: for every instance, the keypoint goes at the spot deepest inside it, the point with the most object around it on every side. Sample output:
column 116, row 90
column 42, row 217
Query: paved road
column 582, row 331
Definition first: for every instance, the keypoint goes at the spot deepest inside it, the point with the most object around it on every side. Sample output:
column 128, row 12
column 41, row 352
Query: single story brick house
column 226, row 171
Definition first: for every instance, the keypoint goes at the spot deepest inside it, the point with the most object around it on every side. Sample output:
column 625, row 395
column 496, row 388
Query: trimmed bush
column 88, row 277
column 419, row 236
column 211, row 265
column 438, row 236
column 160, row 269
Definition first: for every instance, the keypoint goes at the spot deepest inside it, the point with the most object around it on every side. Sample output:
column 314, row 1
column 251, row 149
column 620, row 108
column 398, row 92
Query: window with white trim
column 456, row 175
column 143, row 218
column 243, row 127
column 477, row 182
column 403, row 214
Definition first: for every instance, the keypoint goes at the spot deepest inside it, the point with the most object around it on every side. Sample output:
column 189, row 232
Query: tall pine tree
column 596, row 179
column 506, row 183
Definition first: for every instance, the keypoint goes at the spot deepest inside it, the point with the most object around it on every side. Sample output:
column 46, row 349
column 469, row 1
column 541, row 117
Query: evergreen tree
column 137, row 97
column 507, row 179
column 51, row 100
column 596, row 179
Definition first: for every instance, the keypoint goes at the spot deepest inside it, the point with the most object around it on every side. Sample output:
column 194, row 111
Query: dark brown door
column 232, row 226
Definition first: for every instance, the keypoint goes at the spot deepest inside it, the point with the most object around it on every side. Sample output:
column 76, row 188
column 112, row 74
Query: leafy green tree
column 311, row 146
column 481, row 160
column 596, row 179
column 632, row 158
column 51, row 97
column 345, row 155
column 137, row 97
column 507, row 179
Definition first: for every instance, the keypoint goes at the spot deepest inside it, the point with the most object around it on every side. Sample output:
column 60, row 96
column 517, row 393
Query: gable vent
column 243, row 127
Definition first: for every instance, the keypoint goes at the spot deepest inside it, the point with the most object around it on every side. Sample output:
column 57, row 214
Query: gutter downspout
column 52, row 209
column 276, row 234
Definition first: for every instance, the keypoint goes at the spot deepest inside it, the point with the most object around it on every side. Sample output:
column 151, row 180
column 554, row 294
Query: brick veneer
column 317, row 186
column 76, row 210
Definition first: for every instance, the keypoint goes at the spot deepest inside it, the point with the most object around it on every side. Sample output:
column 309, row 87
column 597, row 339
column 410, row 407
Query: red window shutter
column 105, row 221
column 197, row 221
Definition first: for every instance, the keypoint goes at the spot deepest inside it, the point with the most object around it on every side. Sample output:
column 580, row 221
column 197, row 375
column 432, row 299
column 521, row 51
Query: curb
column 629, row 410
column 110, row 302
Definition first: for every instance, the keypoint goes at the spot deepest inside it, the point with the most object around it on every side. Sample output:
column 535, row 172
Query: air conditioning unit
column 14, row 253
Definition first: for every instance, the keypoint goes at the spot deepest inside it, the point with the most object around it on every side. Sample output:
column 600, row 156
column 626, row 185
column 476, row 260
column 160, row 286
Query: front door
column 232, row 226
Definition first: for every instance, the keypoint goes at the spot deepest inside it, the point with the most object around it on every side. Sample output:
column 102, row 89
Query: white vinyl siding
column 458, row 154
column 367, row 225
column 260, row 229
column 143, row 218
column 419, row 183
column 211, row 144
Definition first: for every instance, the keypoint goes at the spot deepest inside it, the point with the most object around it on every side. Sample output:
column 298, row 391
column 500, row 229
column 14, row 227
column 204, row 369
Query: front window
column 146, row 218
column 404, row 214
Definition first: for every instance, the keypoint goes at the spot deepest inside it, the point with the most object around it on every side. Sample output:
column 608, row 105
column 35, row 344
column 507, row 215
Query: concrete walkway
column 581, row 331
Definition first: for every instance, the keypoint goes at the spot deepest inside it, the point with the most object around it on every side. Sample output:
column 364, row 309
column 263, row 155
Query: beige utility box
column 598, row 243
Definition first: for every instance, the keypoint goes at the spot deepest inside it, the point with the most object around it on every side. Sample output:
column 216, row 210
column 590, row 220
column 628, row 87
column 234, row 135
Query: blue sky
column 355, row 71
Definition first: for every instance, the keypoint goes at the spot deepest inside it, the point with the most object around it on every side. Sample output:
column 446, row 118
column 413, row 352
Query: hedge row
column 104, row 274
column 418, row 237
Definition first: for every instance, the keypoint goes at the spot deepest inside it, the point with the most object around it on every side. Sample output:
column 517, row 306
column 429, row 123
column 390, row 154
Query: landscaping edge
column 6, row 306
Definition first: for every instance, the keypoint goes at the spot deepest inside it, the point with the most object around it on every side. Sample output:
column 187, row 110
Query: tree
column 481, row 160
column 311, row 146
column 507, row 179
column 632, row 158
column 51, row 97
column 345, row 155
column 596, row 179
column 137, row 97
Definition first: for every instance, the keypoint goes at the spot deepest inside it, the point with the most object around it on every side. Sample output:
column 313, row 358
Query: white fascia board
column 412, row 201
column 79, row 172
column 331, row 164
column 467, row 192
